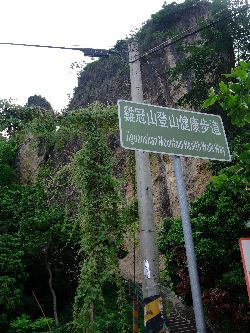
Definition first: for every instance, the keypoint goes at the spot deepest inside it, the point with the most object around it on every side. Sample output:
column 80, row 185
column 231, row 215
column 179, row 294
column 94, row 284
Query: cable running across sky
column 105, row 53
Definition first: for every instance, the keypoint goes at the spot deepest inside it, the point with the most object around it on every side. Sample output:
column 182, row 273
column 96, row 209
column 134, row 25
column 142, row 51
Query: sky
column 25, row 71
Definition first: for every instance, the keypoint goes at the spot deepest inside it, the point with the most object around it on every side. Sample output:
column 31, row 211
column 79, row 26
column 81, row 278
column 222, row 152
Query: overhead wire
column 87, row 51
column 43, row 46
column 177, row 38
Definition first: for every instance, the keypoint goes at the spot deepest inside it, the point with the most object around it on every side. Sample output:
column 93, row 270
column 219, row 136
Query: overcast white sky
column 25, row 71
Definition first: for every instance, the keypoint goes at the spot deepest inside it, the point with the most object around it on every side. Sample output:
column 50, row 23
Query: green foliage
column 234, row 98
column 7, row 173
column 101, row 230
column 13, row 118
column 234, row 95
column 12, row 267
column 27, row 225
column 9, row 120
column 24, row 324
column 11, row 297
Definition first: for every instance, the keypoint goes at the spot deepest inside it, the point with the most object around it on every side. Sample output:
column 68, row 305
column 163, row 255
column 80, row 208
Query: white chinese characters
column 188, row 122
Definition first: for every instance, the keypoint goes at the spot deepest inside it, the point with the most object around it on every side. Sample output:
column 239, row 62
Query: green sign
column 172, row 131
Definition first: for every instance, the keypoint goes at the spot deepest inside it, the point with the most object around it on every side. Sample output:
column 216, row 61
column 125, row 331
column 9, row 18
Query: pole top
column 133, row 51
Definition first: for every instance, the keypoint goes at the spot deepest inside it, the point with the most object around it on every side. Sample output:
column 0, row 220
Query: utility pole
column 153, row 320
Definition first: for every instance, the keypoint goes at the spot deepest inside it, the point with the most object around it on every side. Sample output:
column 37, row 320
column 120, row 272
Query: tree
column 36, row 244
column 234, row 95
column 7, row 151
column 14, row 118
column 12, row 267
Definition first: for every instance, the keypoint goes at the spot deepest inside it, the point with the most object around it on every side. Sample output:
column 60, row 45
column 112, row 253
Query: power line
column 176, row 39
column 87, row 51
column 44, row 46
column 105, row 53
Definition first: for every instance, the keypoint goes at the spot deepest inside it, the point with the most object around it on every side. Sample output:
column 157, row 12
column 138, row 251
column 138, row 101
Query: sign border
column 173, row 154
column 244, row 265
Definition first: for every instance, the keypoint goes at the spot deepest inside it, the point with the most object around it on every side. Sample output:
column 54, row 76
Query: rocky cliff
column 107, row 80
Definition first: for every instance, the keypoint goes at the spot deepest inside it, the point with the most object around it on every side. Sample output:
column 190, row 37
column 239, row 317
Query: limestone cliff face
column 107, row 80
column 28, row 160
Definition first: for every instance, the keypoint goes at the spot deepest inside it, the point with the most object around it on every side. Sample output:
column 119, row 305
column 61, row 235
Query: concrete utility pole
column 149, row 254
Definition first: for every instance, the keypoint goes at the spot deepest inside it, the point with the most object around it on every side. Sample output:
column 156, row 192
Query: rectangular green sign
column 171, row 131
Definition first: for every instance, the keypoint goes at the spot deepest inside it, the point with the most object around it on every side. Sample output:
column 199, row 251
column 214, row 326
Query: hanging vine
column 101, row 228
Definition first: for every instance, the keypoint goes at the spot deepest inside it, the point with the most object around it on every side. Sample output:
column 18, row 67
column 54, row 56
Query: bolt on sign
column 171, row 131
column 245, row 255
